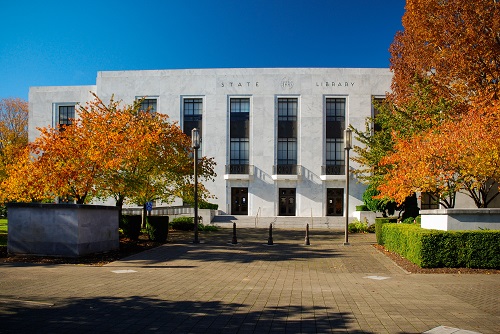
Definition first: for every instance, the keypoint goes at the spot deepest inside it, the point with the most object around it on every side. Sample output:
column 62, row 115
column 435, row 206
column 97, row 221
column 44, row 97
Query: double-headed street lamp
column 347, row 146
column 195, row 144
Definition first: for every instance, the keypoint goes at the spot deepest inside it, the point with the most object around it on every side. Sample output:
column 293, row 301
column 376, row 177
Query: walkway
column 216, row 287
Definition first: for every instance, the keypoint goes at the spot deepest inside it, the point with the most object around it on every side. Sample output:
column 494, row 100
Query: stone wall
column 69, row 230
column 461, row 219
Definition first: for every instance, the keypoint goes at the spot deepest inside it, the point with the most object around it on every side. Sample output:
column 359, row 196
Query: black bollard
column 235, row 240
column 307, row 235
column 270, row 239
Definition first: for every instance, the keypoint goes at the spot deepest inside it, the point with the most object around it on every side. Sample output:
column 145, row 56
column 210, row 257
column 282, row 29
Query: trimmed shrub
column 378, row 227
column 187, row 224
column 182, row 224
column 206, row 205
column 435, row 249
column 361, row 208
column 203, row 205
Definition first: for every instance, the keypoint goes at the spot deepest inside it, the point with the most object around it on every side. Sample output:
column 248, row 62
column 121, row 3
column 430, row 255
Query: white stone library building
column 275, row 133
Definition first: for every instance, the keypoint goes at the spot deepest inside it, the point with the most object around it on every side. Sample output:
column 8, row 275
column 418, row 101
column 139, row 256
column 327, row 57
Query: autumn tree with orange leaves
column 13, row 131
column 454, row 43
column 108, row 150
column 449, row 50
column 456, row 156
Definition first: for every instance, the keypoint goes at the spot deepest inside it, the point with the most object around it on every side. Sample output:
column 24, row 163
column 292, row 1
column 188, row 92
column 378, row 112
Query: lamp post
column 195, row 144
column 347, row 146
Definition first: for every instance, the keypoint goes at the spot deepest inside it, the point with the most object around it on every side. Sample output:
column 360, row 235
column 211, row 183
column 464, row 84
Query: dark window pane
column 148, row 105
column 335, row 125
column 240, row 105
column 66, row 115
column 334, row 129
column 193, row 115
column 287, row 129
column 239, row 128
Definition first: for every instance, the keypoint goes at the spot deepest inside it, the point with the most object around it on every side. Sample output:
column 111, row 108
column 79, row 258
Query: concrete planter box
column 68, row 230
column 461, row 219
column 369, row 216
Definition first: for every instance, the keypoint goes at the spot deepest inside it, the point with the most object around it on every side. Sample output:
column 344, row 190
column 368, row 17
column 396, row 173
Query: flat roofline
column 270, row 70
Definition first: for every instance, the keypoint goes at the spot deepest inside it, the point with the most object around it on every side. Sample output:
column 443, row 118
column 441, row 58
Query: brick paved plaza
column 216, row 287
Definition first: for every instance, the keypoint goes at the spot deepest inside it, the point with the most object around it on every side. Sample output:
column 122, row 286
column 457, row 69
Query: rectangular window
column 66, row 114
column 429, row 201
column 287, row 136
column 287, row 151
column 192, row 114
column 334, row 145
column 376, row 104
column 239, row 133
column 63, row 114
column 148, row 105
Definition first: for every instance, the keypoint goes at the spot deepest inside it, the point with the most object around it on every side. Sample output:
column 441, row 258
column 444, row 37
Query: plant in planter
column 157, row 228
column 131, row 226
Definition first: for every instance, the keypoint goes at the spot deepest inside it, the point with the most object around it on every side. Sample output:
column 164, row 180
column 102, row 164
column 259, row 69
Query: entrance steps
column 226, row 221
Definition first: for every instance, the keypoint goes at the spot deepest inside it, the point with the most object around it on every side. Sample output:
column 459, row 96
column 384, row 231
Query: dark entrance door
column 239, row 201
column 287, row 202
column 335, row 202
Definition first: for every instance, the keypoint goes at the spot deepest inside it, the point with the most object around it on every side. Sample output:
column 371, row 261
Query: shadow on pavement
column 139, row 314
column 252, row 246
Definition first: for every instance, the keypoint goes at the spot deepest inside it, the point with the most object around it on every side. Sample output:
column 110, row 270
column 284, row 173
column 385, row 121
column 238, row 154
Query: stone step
column 226, row 221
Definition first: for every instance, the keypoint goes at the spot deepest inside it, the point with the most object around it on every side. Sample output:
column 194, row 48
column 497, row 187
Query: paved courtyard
column 251, row 287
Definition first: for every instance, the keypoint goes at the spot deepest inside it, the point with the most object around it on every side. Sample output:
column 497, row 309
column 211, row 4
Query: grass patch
column 3, row 232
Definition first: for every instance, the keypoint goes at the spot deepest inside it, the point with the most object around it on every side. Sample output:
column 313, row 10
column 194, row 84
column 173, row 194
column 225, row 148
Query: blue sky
column 66, row 42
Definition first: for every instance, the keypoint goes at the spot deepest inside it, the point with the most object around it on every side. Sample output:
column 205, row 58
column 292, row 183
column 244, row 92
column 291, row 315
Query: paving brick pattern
column 251, row 287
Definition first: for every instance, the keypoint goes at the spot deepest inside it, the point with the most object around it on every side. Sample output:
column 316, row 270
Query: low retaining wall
column 207, row 215
column 69, row 230
column 460, row 219
column 369, row 216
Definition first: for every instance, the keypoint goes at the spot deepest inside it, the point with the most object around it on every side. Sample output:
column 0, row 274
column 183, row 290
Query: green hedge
column 187, row 224
column 436, row 249
column 203, row 205
column 361, row 208
column 378, row 227
column 182, row 223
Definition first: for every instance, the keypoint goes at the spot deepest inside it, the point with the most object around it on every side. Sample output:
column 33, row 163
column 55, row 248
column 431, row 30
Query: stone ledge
column 485, row 211
column 461, row 219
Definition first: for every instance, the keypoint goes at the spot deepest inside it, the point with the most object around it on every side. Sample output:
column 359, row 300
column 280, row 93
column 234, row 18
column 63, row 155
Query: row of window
column 239, row 134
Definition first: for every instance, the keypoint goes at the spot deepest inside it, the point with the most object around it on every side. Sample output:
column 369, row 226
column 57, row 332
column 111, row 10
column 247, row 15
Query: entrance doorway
column 287, row 202
column 335, row 201
column 239, row 201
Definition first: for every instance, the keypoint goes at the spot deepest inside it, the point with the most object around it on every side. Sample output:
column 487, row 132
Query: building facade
column 275, row 133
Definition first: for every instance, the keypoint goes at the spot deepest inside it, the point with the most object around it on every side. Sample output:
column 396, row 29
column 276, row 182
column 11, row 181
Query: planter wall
column 369, row 216
column 131, row 226
column 157, row 227
column 460, row 219
column 68, row 230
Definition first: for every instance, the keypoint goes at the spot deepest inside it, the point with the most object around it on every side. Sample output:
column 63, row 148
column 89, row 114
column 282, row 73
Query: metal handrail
column 257, row 217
